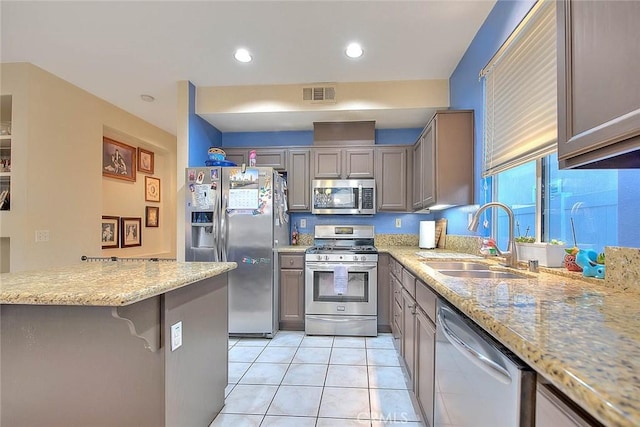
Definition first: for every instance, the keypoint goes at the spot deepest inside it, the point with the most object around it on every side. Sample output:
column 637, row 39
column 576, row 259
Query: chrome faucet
column 510, row 255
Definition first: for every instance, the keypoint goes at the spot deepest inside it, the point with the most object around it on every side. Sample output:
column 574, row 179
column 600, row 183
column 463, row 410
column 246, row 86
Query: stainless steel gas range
column 341, row 285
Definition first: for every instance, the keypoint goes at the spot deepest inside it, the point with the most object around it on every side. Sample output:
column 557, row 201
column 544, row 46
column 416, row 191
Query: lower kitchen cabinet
column 408, row 331
column 555, row 411
column 384, row 293
column 413, row 325
column 291, row 307
column 425, row 357
column 397, row 313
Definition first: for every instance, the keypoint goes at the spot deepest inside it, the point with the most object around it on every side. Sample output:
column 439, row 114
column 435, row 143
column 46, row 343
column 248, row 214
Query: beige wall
column 57, row 184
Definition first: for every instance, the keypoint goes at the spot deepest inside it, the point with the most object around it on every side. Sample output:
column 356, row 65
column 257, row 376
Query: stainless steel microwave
column 343, row 196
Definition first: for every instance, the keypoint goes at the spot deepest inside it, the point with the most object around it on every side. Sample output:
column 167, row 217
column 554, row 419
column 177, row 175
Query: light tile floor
column 297, row 380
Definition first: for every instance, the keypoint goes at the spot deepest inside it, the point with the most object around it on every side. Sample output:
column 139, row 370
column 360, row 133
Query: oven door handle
column 350, row 267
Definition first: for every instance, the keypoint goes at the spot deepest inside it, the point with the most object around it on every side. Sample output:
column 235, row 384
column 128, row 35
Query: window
column 603, row 204
column 600, row 205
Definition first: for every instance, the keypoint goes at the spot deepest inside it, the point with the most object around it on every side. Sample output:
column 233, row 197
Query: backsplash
column 465, row 244
column 396, row 240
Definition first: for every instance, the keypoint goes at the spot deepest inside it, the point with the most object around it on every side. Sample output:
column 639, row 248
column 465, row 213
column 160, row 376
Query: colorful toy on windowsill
column 570, row 259
column 588, row 260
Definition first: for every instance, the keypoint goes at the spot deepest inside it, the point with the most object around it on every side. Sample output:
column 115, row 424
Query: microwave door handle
column 360, row 198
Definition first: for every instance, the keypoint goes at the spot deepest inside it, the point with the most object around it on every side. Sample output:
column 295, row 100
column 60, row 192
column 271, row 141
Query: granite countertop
column 580, row 335
column 110, row 283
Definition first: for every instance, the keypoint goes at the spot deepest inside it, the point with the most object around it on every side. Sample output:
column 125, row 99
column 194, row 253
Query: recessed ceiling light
column 242, row 55
column 354, row 50
column 147, row 98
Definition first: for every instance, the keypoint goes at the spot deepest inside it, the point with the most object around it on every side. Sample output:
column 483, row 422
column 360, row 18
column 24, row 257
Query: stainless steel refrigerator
column 239, row 214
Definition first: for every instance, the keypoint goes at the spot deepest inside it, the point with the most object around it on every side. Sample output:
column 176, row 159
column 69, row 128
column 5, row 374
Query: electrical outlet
column 398, row 223
column 303, row 223
column 42, row 236
column 176, row 336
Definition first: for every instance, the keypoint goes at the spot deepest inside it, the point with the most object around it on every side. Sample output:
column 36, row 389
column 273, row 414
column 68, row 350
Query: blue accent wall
column 466, row 92
column 404, row 136
column 202, row 134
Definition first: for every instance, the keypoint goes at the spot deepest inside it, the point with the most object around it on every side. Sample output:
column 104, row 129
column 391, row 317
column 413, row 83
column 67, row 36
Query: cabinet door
column 429, row 165
column 417, row 175
column 408, row 331
column 299, row 181
column 237, row 155
column 327, row 162
column 396, row 326
column 424, row 383
column 598, row 85
column 358, row 163
column 272, row 158
column 391, row 178
column 384, row 293
column 291, row 299
column 553, row 412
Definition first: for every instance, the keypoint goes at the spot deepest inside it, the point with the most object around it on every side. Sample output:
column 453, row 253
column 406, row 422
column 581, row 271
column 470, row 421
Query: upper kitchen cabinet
column 443, row 162
column 265, row 157
column 299, row 180
column 598, row 85
column 343, row 163
column 391, row 171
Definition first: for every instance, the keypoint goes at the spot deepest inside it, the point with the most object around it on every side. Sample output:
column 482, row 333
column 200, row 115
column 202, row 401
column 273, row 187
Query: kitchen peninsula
column 91, row 344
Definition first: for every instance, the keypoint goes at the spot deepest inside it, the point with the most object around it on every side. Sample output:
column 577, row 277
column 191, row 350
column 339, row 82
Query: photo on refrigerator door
column 245, row 180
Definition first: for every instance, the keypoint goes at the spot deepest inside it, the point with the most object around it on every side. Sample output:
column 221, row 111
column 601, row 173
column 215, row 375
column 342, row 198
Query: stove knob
column 341, row 257
column 355, row 257
column 326, row 257
column 363, row 258
column 319, row 257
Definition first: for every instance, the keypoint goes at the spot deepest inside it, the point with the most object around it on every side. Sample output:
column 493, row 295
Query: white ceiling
column 118, row 50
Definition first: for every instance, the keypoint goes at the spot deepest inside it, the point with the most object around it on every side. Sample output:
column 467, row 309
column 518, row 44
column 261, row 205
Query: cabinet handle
column 290, row 262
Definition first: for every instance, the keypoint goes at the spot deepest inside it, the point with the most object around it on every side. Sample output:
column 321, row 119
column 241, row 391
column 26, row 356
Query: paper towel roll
column 427, row 235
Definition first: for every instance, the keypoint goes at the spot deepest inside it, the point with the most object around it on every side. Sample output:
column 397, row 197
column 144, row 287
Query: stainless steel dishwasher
column 479, row 383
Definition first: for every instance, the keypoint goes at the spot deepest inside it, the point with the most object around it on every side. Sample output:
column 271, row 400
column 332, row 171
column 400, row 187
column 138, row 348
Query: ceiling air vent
column 320, row 94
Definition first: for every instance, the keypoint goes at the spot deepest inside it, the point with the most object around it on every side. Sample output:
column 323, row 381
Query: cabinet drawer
column 291, row 261
column 426, row 299
column 409, row 282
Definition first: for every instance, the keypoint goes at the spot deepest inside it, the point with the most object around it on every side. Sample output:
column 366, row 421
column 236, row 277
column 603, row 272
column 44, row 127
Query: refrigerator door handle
column 223, row 228
column 216, row 229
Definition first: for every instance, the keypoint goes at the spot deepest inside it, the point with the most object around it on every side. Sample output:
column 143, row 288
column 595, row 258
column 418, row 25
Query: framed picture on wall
column 131, row 232
column 145, row 160
column 118, row 160
column 152, row 216
column 151, row 189
column 110, row 232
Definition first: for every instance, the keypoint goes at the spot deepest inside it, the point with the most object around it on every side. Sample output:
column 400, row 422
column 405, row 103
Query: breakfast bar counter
column 91, row 344
column 580, row 335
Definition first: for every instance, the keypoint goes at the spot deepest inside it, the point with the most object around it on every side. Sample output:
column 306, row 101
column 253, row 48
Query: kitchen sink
column 471, row 270
column 482, row 274
column 456, row 265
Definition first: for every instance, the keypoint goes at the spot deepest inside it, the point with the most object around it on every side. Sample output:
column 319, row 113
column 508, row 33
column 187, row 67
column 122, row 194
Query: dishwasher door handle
column 490, row 366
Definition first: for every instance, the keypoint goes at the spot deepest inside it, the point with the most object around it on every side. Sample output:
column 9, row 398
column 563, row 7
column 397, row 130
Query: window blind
column 520, row 122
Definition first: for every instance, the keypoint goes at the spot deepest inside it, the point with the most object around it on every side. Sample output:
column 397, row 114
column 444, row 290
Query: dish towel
column 340, row 279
